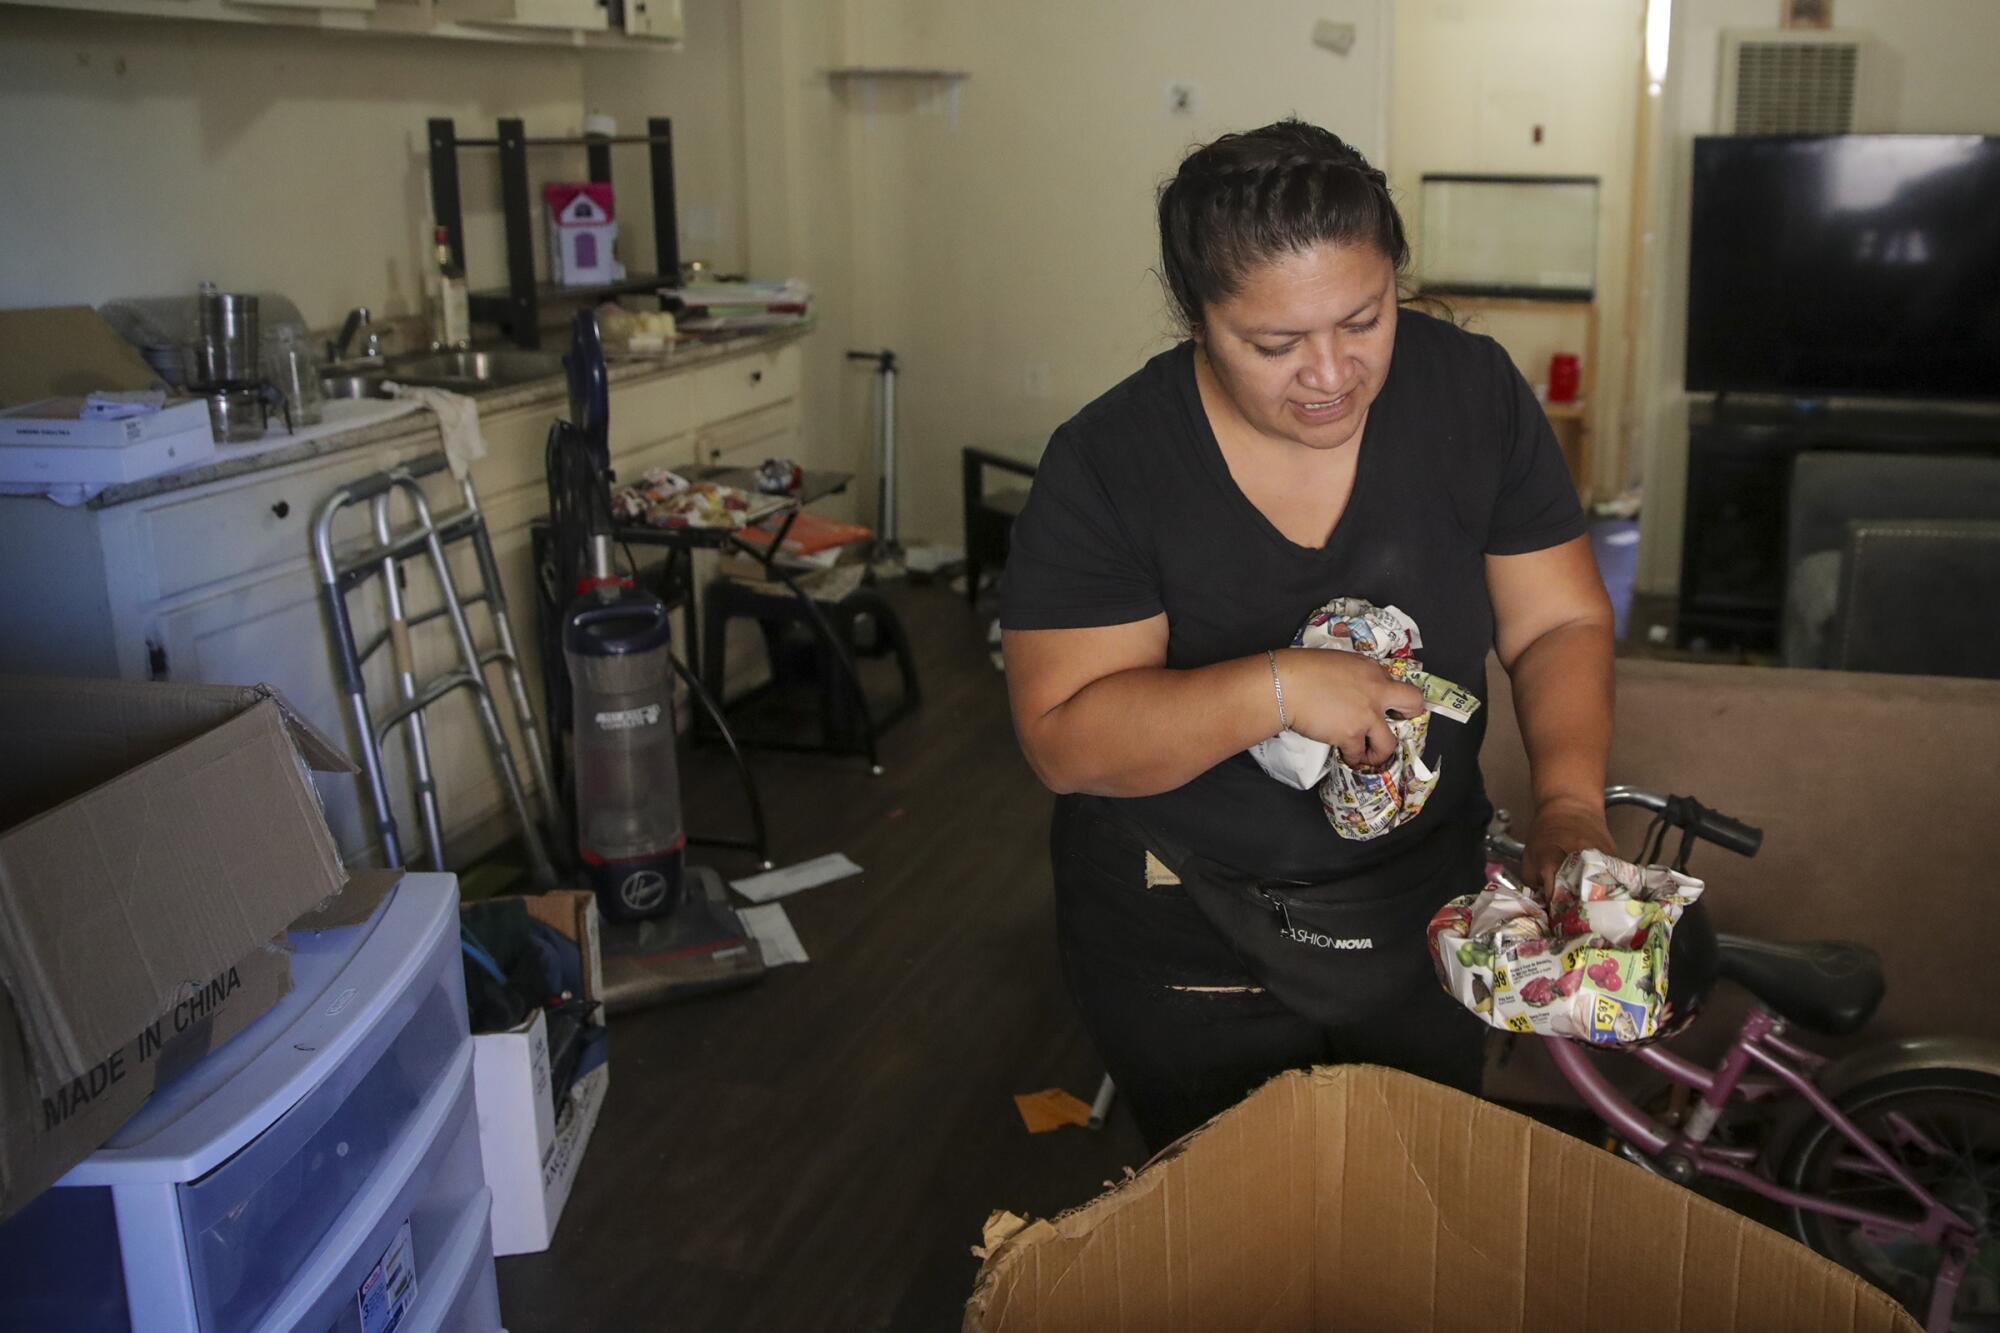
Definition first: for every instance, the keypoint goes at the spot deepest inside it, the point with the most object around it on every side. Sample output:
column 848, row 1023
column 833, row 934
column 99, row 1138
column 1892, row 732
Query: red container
column 1565, row 377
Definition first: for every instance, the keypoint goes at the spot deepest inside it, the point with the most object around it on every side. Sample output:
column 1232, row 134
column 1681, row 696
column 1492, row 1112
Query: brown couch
column 1879, row 797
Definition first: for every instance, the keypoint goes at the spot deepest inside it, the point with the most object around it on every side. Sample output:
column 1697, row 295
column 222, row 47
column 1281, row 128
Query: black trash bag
column 515, row 965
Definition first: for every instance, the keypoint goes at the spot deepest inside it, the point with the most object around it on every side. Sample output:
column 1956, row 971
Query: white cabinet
column 570, row 23
column 659, row 20
column 569, row 15
column 273, row 632
column 215, row 582
column 746, row 441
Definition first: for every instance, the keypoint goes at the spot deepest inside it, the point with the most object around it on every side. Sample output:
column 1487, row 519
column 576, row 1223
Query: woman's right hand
column 1345, row 700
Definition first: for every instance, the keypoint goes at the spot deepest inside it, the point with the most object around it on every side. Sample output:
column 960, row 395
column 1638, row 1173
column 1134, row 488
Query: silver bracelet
column 1278, row 688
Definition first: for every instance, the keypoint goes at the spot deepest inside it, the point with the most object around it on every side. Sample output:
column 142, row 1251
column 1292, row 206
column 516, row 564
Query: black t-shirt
column 1133, row 512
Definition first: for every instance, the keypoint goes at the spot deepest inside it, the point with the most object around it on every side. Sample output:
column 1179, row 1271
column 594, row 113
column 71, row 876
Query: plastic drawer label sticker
column 391, row 1288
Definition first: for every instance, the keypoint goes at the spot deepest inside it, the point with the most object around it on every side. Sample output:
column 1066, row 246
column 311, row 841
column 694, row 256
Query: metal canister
column 228, row 333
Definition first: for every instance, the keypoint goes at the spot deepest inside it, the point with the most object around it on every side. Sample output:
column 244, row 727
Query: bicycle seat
column 1830, row 987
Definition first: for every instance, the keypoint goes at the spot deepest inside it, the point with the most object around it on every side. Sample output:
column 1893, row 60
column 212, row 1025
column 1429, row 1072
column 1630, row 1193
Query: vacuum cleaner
column 671, row 929
column 617, row 646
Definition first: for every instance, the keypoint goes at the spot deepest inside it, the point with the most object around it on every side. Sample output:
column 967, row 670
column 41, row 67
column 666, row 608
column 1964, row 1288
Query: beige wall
column 798, row 199
column 699, row 86
column 1004, row 233
column 1472, row 81
column 166, row 152
column 170, row 152
column 1929, row 67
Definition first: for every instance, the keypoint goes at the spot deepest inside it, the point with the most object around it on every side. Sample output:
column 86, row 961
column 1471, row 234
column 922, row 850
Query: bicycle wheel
column 1943, row 1127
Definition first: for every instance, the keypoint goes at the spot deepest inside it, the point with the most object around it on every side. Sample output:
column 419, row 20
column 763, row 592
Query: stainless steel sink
column 461, row 372
column 492, row 368
column 355, row 384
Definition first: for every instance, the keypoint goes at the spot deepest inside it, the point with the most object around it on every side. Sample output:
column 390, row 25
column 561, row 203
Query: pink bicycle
column 1887, row 1160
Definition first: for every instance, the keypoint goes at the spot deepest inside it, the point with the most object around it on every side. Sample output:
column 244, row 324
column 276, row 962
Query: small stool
column 847, row 724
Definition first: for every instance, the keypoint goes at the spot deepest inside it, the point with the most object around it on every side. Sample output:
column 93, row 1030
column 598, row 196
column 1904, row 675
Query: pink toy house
column 582, row 228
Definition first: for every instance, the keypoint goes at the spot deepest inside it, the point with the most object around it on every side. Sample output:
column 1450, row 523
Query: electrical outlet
column 1182, row 99
column 1039, row 380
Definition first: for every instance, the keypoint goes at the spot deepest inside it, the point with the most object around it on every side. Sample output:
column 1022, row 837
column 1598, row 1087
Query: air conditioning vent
column 1788, row 82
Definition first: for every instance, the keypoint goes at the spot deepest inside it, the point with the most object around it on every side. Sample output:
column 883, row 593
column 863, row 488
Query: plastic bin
column 264, row 1187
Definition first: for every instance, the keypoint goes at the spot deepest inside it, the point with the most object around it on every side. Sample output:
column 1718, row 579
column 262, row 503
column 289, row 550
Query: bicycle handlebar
column 1682, row 812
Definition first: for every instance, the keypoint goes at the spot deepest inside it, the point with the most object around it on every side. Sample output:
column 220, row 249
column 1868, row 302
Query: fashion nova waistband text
column 1319, row 941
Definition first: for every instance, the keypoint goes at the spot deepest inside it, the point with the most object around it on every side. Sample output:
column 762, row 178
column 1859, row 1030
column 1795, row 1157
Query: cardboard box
column 158, row 839
column 64, row 350
column 531, row 1153
column 1363, row 1198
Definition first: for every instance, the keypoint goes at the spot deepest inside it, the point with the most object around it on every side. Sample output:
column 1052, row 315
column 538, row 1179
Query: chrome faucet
column 358, row 319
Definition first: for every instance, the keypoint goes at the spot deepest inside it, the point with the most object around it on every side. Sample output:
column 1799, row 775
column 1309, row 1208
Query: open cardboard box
column 530, row 1151
column 1363, row 1198
column 155, row 842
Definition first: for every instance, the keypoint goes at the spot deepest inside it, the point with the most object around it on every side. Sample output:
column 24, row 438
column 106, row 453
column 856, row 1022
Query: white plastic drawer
column 433, row 1183
column 215, row 1158
column 252, row 1222
column 460, row 1293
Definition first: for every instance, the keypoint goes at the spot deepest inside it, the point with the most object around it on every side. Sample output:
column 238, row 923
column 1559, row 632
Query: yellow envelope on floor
column 1051, row 1108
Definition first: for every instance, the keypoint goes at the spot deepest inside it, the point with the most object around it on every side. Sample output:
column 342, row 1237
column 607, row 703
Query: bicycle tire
column 1934, row 1100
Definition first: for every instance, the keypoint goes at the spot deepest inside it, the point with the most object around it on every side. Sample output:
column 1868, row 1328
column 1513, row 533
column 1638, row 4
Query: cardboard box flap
column 66, row 735
column 1359, row 1197
column 117, row 901
column 320, row 752
column 65, row 350
column 573, row 914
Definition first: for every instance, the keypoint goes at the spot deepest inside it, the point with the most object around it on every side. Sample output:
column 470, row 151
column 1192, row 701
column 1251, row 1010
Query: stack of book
column 825, row 556
column 743, row 307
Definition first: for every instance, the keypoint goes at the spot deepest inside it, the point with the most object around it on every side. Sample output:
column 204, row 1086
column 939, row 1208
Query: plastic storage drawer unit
column 320, row 1172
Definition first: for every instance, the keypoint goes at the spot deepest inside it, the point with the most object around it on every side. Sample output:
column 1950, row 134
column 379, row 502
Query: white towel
column 458, row 422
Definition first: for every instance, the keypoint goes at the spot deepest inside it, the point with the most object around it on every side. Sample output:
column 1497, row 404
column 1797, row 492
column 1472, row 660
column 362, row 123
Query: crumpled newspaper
column 1591, row 964
column 1364, row 802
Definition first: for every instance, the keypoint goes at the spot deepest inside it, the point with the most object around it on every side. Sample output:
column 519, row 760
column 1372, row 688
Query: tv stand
column 1739, row 477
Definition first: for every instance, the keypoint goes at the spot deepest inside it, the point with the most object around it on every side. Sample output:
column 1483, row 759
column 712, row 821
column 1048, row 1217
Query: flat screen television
column 1865, row 265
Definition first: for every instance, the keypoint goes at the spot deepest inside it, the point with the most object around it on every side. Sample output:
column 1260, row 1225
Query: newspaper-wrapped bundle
column 1592, row 964
column 1366, row 802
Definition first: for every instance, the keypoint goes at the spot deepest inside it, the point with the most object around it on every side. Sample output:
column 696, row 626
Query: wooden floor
column 818, row 1152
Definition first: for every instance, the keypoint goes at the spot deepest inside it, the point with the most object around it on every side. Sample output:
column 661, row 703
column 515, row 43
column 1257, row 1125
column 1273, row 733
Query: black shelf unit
column 517, row 306
column 1736, row 516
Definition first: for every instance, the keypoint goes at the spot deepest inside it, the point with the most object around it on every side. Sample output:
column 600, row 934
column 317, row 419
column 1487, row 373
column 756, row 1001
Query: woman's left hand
column 1563, row 826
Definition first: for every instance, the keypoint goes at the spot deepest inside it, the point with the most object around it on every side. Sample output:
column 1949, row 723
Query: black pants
column 1183, row 1029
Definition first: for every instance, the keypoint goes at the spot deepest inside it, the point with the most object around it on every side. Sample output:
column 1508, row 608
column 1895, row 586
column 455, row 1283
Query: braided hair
column 1248, row 198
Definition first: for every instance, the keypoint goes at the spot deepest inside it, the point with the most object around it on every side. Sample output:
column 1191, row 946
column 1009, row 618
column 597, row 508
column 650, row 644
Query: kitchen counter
column 377, row 421
column 208, row 574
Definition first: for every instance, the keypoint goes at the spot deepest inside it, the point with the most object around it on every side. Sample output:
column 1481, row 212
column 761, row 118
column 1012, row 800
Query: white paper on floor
column 790, row 879
column 773, row 931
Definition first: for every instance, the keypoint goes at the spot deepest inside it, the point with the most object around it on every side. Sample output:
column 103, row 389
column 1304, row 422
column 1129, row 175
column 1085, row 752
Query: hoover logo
column 643, row 890
column 628, row 719
column 1319, row 941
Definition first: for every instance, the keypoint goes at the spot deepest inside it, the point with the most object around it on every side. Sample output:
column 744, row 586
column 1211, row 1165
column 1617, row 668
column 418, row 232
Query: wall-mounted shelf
column 517, row 306
column 495, row 305
column 860, row 72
